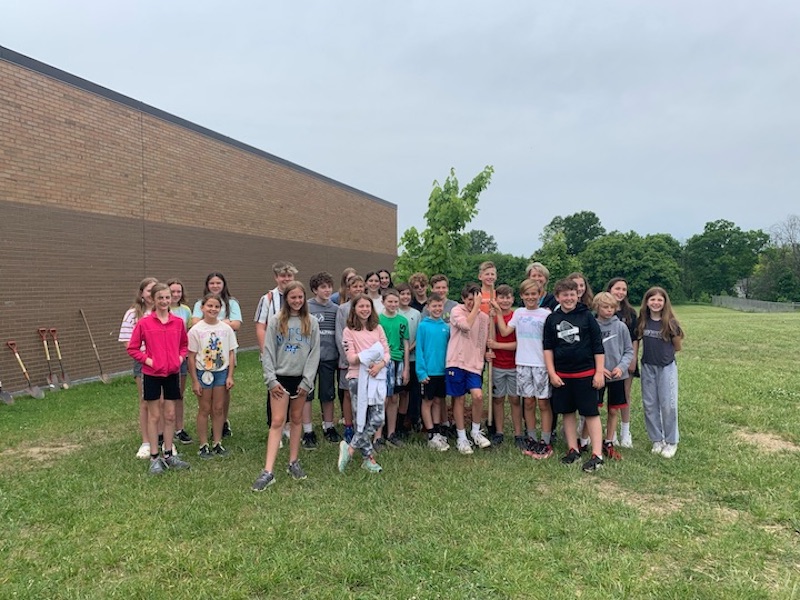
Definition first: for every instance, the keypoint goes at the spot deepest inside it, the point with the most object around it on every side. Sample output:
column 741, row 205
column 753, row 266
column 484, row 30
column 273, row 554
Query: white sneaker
column 144, row 451
column 658, row 447
column 464, row 447
column 437, row 442
column 481, row 441
column 625, row 442
column 669, row 450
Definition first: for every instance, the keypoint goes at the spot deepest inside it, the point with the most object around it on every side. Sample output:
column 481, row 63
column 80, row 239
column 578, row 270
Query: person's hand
column 556, row 381
column 148, row 361
column 490, row 355
column 196, row 389
column 598, row 381
column 616, row 373
column 277, row 392
column 229, row 382
column 376, row 367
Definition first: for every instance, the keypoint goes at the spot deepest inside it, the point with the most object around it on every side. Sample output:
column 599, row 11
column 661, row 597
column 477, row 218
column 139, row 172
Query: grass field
column 81, row 519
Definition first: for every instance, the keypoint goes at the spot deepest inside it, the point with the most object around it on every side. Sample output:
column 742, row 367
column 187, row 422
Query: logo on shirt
column 568, row 332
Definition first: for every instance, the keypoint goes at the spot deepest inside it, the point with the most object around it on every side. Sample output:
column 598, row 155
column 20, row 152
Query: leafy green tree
column 481, row 242
column 556, row 257
column 443, row 247
column 643, row 261
column 777, row 275
column 715, row 260
column 578, row 229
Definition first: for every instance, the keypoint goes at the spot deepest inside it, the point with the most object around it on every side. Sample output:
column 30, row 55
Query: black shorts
column 616, row 394
column 576, row 394
column 435, row 388
column 291, row 384
column 326, row 381
column 152, row 386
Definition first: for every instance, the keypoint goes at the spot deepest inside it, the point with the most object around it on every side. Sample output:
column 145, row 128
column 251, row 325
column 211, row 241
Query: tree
column 481, row 242
column 715, row 260
column 643, row 261
column 555, row 256
column 442, row 247
column 578, row 229
column 777, row 275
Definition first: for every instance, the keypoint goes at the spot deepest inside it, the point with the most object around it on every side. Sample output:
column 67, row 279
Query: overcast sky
column 657, row 116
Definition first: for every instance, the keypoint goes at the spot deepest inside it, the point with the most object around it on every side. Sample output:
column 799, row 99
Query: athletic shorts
column 152, row 386
column 504, row 382
column 394, row 373
column 291, row 383
column 616, row 394
column 412, row 378
column 533, row 382
column 576, row 394
column 435, row 388
column 137, row 369
column 459, row 382
column 212, row 379
column 184, row 368
column 326, row 381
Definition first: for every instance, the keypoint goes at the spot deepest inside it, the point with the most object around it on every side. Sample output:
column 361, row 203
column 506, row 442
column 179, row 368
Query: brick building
column 98, row 190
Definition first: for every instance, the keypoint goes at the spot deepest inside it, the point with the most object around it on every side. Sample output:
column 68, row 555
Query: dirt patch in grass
column 647, row 504
column 767, row 442
column 40, row 454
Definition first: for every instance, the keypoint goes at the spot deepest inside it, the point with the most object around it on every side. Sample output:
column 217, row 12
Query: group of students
column 398, row 352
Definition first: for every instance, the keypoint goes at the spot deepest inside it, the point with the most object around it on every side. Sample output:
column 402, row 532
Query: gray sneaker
column 157, row 466
column 264, row 480
column 296, row 471
column 174, row 462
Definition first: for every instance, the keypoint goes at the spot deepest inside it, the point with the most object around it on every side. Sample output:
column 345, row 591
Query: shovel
column 103, row 377
column 52, row 380
column 32, row 389
column 65, row 380
column 5, row 397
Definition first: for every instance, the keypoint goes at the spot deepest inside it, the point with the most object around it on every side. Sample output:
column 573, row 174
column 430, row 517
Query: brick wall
column 98, row 191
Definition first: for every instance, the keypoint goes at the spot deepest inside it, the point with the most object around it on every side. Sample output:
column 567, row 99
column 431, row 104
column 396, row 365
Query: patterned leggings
column 362, row 440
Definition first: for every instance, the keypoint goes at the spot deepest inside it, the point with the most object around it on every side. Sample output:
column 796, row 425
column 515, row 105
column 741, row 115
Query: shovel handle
column 13, row 345
column 54, row 335
column 43, row 335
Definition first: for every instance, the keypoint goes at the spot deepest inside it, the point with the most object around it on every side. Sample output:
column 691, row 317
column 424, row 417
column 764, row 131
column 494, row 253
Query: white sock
column 327, row 424
column 476, row 428
column 625, row 428
column 585, row 441
column 462, row 434
column 308, row 427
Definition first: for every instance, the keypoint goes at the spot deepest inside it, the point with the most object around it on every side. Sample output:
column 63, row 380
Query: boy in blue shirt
column 432, row 337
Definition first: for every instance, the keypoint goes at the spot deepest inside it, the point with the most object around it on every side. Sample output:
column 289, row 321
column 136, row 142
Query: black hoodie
column 574, row 338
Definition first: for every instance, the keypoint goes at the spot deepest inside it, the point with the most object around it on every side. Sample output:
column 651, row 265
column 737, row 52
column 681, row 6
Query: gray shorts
column 533, row 382
column 504, row 382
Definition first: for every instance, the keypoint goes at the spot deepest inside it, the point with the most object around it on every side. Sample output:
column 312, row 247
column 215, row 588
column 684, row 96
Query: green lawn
column 81, row 519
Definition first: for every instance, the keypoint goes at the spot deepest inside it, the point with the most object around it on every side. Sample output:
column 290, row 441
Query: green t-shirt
column 396, row 329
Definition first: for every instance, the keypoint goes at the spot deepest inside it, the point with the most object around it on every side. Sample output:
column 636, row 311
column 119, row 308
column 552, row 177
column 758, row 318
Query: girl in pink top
column 362, row 336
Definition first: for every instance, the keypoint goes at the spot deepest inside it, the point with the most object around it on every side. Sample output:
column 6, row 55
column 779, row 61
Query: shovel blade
column 6, row 398
column 65, row 381
column 36, row 392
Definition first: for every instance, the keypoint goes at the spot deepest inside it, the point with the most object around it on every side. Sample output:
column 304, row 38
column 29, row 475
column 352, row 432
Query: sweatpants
column 362, row 440
column 660, row 402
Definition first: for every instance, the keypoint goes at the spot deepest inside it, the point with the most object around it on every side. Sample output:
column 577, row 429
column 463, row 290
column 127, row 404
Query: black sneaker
column 531, row 445
column 583, row 448
column 332, row 435
column 226, row 429
column 219, row 451
column 572, row 456
column 395, row 440
column 204, row 452
column 183, row 437
column 497, row 439
column 519, row 442
column 309, row 441
column 593, row 463
column 379, row 444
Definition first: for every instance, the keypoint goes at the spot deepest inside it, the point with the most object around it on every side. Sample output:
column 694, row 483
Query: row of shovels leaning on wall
column 55, row 380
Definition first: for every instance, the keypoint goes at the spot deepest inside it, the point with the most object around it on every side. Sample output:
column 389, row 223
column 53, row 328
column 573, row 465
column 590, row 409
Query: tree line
column 723, row 259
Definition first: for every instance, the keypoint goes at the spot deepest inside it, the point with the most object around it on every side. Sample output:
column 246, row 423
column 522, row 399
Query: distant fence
column 747, row 305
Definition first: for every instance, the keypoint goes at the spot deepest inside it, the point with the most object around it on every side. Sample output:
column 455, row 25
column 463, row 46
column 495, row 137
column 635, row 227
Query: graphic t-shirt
column 529, row 327
column 213, row 344
column 656, row 350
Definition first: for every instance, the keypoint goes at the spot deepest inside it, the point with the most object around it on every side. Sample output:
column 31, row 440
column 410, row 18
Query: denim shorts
column 216, row 378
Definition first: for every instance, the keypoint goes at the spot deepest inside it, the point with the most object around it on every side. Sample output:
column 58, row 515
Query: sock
column 308, row 427
column 625, row 428
column 327, row 424
column 462, row 434
column 445, row 423
column 585, row 441
column 546, row 438
column 609, row 441
column 476, row 428
column 532, row 434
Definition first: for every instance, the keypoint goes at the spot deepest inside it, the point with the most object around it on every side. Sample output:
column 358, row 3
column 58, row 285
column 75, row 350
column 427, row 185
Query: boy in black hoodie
column 573, row 354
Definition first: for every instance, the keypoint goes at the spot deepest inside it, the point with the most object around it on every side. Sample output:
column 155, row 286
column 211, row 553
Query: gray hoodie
column 292, row 355
column 616, row 344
